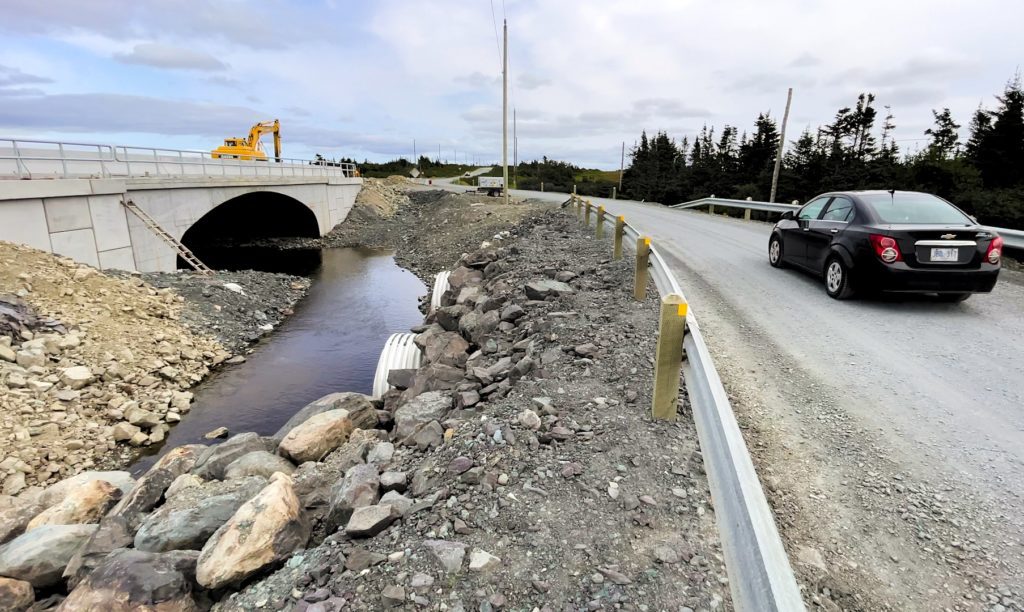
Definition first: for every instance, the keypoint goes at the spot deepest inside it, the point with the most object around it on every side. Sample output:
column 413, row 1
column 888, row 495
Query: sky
column 367, row 79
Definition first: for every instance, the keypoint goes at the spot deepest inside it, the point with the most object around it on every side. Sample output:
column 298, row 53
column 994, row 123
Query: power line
column 497, row 43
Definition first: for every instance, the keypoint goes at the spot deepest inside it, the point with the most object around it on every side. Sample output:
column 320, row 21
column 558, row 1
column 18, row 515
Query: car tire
column 775, row 252
column 837, row 279
column 953, row 297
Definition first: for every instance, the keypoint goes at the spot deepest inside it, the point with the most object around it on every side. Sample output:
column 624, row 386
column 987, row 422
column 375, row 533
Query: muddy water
column 358, row 298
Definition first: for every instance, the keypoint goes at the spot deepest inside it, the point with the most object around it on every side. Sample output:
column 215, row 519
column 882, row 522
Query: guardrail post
column 586, row 216
column 600, row 222
column 711, row 209
column 643, row 255
column 620, row 226
column 613, row 193
column 746, row 214
column 669, row 357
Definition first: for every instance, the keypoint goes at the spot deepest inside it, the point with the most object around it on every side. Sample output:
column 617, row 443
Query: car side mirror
column 787, row 215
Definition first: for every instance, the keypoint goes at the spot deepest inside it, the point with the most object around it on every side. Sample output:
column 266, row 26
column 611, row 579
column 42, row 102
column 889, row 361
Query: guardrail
column 1012, row 239
column 34, row 159
column 760, row 576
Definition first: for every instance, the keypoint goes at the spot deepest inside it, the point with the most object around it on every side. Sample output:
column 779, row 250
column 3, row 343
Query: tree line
column 984, row 176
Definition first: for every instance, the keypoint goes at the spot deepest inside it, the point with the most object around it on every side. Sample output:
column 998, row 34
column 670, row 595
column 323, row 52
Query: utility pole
column 515, row 150
column 504, row 111
column 622, row 165
column 782, row 143
column 415, row 160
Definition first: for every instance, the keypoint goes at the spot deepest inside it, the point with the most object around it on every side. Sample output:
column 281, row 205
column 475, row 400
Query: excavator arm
column 266, row 127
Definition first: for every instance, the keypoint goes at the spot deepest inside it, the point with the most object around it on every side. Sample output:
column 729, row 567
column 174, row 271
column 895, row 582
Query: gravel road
column 888, row 432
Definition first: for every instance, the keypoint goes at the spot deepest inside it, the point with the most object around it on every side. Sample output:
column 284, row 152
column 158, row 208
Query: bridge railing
column 38, row 159
column 1012, row 239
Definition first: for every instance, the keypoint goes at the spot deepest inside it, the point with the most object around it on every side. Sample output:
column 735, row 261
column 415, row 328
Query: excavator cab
column 250, row 148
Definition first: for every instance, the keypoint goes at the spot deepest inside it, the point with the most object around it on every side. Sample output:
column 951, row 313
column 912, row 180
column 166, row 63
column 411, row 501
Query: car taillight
column 995, row 250
column 886, row 248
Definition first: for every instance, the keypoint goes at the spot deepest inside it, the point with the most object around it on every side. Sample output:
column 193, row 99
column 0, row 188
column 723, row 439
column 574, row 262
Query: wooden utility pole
column 782, row 143
column 504, row 111
column 515, row 150
column 622, row 164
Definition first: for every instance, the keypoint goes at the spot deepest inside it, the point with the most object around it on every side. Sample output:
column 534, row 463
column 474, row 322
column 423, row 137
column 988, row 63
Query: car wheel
column 837, row 279
column 953, row 297
column 775, row 252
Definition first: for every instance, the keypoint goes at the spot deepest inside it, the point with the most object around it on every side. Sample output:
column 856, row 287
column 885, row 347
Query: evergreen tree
column 945, row 138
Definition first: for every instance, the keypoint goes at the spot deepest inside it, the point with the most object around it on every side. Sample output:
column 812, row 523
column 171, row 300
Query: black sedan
column 888, row 241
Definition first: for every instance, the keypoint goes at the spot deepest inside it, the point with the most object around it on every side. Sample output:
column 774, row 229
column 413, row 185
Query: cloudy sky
column 364, row 79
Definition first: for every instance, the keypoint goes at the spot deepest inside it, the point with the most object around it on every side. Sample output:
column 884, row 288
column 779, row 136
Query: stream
column 358, row 297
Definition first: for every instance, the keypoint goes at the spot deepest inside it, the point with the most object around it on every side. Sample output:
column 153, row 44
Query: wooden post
column 613, row 193
column 643, row 254
column 600, row 222
column 746, row 214
column 586, row 216
column 669, row 357
column 579, row 207
column 620, row 227
column 711, row 209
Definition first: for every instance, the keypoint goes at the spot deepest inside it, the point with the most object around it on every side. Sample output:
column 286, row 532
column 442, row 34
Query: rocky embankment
column 94, row 365
column 515, row 469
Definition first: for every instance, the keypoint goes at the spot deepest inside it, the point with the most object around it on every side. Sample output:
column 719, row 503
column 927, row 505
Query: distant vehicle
column 467, row 175
column 492, row 185
column 250, row 147
column 888, row 241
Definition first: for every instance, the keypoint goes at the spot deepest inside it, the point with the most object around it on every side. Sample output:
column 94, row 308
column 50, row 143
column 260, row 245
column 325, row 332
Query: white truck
column 491, row 185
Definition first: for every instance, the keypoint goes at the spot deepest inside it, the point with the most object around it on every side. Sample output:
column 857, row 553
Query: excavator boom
column 251, row 148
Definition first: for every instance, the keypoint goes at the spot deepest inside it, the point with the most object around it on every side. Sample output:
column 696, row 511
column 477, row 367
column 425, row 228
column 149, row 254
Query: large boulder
column 258, row 463
column 130, row 580
column 263, row 532
column 462, row 277
column 355, row 403
column 186, row 524
column 149, row 490
column 476, row 326
column 40, row 556
column 112, row 533
column 359, row 488
column 214, row 459
column 16, row 595
column 58, row 491
column 544, row 289
column 15, row 514
column 84, row 504
column 420, row 410
column 434, row 377
column 448, row 348
column 320, row 434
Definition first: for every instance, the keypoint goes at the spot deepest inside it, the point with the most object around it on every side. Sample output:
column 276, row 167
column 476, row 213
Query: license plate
column 945, row 254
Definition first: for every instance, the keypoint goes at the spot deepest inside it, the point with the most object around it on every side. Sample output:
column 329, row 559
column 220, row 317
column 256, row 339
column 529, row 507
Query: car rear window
column 912, row 208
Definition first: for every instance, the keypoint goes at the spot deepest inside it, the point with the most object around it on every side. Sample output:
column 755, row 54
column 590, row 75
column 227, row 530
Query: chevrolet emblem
column 948, row 236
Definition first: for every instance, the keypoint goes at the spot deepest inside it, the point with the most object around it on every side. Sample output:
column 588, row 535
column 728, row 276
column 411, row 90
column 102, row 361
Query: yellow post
column 586, row 216
column 746, row 214
column 620, row 226
column 669, row 357
column 643, row 254
column 600, row 222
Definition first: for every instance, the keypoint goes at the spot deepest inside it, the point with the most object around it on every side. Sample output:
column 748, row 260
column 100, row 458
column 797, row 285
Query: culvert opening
column 235, row 235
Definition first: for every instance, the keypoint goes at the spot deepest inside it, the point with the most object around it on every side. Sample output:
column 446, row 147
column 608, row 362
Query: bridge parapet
column 42, row 159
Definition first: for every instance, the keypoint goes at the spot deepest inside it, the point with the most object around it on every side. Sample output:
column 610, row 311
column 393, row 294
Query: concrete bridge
column 68, row 198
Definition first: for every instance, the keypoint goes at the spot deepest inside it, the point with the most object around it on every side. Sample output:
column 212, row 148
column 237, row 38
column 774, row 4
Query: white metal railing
column 1012, row 239
column 35, row 159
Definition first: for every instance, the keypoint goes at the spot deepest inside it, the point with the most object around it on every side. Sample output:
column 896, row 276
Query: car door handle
column 834, row 230
column 807, row 229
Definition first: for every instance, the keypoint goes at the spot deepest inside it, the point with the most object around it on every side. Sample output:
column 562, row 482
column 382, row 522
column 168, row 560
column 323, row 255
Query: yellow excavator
column 251, row 148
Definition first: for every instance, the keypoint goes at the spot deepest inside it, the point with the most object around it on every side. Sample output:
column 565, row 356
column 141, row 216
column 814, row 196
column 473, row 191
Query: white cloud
column 374, row 76
column 165, row 56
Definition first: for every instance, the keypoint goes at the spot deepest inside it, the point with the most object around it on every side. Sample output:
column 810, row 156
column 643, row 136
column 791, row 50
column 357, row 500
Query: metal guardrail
column 32, row 159
column 1012, row 239
column 760, row 576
